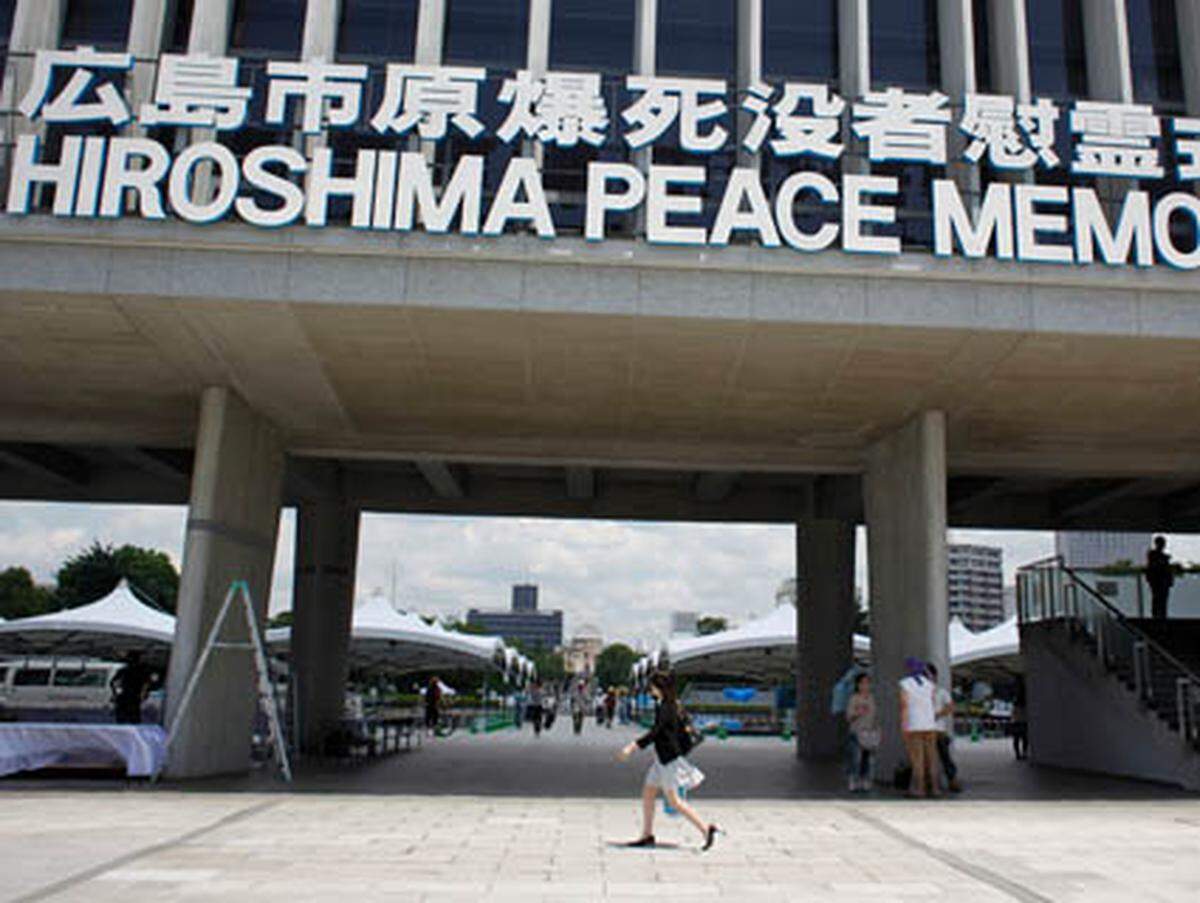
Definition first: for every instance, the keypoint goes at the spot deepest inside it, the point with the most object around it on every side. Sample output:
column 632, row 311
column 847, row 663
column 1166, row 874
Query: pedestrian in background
column 533, row 710
column 918, row 724
column 865, row 735
column 433, row 703
column 672, row 740
column 1018, row 723
column 944, row 701
column 579, row 705
column 1160, row 575
column 610, row 706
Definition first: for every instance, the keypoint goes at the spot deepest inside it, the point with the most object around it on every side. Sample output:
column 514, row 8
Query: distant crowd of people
column 540, row 704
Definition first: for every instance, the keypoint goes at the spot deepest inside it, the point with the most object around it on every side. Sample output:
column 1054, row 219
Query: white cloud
column 622, row 577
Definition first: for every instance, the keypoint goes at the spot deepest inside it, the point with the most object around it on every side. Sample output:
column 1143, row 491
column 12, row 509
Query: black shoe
column 711, row 837
column 647, row 841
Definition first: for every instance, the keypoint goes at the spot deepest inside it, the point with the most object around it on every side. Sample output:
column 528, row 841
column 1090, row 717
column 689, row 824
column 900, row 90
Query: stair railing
column 1048, row 590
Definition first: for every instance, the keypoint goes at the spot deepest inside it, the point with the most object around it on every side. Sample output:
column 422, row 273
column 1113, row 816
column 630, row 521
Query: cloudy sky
column 624, row 578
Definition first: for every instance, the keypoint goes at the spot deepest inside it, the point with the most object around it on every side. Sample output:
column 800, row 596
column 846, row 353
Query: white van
column 56, row 689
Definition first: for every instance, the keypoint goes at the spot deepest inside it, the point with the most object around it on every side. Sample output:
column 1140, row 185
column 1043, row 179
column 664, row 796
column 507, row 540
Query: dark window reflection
column 179, row 27
column 904, row 44
column 265, row 27
column 800, row 40
column 103, row 24
column 1154, row 52
column 983, row 47
column 378, row 29
column 697, row 38
column 1057, row 62
column 488, row 33
column 592, row 36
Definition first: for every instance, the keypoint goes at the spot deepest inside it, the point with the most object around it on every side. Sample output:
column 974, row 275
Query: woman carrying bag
column 865, row 735
column 673, row 738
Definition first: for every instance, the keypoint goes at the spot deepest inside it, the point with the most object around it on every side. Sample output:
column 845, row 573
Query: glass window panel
column 592, row 36
column 904, row 44
column 983, row 47
column 1154, row 52
column 179, row 28
column 32, row 677
column 800, row 40
column 383, row 29
column 268, row 27
column 1057, row 64
column 489, row 33
column 103, row 24
column 697, row 38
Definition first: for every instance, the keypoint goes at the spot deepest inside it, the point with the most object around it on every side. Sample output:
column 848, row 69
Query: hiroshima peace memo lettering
column 806, row 124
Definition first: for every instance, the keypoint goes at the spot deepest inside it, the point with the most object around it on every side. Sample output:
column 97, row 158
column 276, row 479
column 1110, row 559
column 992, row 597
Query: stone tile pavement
column 253, row 840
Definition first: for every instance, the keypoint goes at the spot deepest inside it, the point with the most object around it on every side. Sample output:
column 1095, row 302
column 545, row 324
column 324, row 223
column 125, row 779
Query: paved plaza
column 508, row 817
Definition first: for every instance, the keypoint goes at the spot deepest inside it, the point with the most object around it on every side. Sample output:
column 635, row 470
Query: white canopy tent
column 107, row 628
column 382, row 638
column 765, row 649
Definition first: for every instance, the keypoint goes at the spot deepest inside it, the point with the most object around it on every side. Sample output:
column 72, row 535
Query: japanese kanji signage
column 393, row 187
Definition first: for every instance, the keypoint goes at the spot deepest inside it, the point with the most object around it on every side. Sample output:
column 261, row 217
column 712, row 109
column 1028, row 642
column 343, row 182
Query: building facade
column 1098, row 549
column 580, row 656
column 523, row 622
column 975, row 585
column 913, row 264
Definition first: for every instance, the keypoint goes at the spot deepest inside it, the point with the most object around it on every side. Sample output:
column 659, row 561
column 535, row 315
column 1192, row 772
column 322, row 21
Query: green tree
column 549, row 662
column 457, row 626
column 613, row 665
column 711, row 624
column 20, row 597
column 96, row 571
column 283, row 619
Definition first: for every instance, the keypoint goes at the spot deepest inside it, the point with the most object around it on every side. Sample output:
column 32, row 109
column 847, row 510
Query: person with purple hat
column 918, row 726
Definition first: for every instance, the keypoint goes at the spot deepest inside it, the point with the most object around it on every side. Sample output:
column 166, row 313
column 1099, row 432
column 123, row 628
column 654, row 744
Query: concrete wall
column 1081, row 717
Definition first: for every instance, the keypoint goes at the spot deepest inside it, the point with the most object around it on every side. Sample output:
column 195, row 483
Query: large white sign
column 1143, row 166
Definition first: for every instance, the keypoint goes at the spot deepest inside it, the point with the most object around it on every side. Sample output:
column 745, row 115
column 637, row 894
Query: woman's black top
column 665, row 734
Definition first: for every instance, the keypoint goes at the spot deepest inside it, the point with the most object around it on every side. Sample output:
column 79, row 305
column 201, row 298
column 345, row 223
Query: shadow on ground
column 559, row 764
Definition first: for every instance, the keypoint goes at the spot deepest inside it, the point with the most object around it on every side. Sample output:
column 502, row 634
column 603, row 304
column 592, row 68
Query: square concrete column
column 905, row 500
column 233, row 520
column 322, row 609
column 825, row 612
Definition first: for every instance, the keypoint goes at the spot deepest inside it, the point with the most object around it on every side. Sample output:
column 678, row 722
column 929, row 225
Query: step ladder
column 239, row 592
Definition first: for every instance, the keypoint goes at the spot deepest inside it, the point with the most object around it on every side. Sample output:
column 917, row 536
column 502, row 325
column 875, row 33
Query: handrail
column 1139, row 635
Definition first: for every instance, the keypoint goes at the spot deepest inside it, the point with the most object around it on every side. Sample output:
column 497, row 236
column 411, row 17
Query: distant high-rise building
column 684, row 623
column 524, row 597
column 975, row 585
column 524, row 622
column 1096, row 549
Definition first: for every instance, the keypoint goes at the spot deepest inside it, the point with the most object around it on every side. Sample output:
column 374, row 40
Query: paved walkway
column 398, row 838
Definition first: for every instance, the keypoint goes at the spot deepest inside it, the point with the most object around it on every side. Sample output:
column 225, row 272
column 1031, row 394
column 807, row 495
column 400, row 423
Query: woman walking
column 864, row 735
column 433, row 704
column 671, row 770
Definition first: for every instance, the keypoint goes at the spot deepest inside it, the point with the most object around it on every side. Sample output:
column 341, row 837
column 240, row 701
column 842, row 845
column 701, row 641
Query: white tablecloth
column 25, row 746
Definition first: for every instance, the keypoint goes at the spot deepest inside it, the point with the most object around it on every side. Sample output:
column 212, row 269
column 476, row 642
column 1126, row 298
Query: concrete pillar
column 1106, row 40
column 322, row 606
column 211, row 20
column 233, row 520
column 854, row 73
column 1008, row 47
column 37, row 25
column 905, row 500
column 431, row 31
column 645, row 62
column 749, row 70
column 147, row 26
column 321, row 30
column 825, row 610
column 956, row 48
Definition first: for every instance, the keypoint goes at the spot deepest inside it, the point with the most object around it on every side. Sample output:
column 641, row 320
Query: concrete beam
column 1078, row 502
column 233, row 520
column 715, row 486
column 581, row 483
column 441, row 479
column 46, row 462
column 172, row 466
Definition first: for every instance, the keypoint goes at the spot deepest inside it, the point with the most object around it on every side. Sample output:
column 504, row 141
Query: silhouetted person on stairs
column 1161, row 577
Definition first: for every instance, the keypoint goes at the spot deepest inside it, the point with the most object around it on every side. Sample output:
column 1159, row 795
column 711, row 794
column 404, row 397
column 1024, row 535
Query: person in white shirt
column 944, row 701
column 918, row 725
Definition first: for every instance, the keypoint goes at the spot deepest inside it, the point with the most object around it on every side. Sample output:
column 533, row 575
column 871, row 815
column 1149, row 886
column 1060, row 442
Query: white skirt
column 675, row 774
